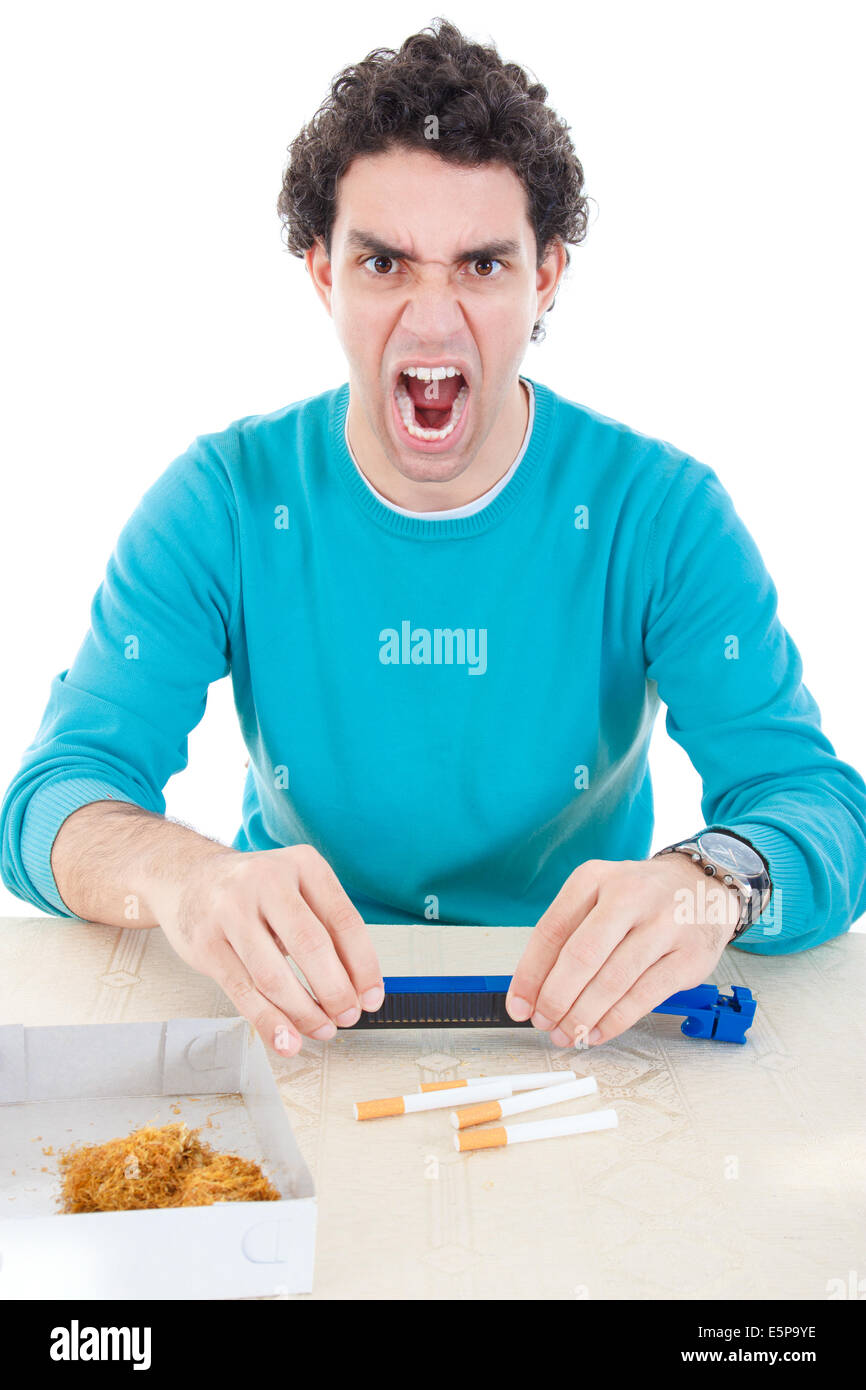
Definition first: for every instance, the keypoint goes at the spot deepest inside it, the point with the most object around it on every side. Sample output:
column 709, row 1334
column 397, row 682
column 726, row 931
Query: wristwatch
column 734, row 860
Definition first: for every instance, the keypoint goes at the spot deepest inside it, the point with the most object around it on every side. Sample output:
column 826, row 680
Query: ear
column 319, row 267
column 548, row 276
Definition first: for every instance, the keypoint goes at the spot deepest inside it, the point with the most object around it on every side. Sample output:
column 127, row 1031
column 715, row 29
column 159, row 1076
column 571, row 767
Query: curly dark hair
column 484, row 110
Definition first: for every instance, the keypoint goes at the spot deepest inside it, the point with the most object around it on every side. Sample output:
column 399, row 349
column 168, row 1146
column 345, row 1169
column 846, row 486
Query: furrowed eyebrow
column 357, row 240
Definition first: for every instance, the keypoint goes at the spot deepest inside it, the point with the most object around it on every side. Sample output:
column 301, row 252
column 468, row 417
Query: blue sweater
column 455, row 712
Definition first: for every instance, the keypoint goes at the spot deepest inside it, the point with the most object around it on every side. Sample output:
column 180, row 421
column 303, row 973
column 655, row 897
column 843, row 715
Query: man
column 450, row 602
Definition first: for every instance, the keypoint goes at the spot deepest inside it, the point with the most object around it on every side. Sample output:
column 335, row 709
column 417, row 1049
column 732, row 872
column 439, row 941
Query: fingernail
column 348, row 1017
column 326, row 1031
column 372, row 999
column 559, row 1038
column 518, row 1008
column 285, row 1041
column 541, row 1022
column 594, row 1035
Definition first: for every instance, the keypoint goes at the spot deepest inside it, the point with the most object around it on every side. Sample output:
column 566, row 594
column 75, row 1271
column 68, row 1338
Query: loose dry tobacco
column 157, row 1166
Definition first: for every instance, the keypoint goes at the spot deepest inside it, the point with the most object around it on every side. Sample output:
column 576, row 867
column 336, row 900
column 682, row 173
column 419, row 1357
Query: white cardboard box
column 88, row 1083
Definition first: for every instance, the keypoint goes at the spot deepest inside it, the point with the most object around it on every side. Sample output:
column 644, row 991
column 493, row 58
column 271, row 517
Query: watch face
column 731, row 854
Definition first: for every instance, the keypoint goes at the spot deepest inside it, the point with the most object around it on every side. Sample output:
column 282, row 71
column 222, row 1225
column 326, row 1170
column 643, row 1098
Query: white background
column 717, row 301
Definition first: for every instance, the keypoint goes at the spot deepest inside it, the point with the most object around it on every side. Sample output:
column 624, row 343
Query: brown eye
column 382, row 264
column 483, row 266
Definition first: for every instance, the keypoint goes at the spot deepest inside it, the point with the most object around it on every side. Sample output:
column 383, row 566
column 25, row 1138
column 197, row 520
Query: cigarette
column 533, row 1100
column 525, row 1081
column 540, row 1129
column 439, row 1100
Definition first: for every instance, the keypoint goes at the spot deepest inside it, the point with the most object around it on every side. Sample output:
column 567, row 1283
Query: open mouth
column 430, row 402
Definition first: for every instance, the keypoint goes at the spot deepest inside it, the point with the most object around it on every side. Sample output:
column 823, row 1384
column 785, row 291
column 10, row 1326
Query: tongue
column 432, row 399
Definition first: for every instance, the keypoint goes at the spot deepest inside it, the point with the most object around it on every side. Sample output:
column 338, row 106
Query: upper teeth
column 431, row 373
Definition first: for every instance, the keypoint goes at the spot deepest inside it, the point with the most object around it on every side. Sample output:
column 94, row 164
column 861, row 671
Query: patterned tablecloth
column 736, row 1171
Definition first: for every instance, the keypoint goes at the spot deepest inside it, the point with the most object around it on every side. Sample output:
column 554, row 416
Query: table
column 736, row 1171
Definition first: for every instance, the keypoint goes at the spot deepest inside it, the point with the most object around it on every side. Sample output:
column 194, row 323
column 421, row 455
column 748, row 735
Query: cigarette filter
column 539, row 1129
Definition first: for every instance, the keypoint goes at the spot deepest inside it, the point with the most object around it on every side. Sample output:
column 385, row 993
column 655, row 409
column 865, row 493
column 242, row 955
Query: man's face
column 432, row 266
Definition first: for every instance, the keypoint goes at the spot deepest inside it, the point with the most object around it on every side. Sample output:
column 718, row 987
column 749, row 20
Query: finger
column 271, row 1024
column 654, row 986
column 583, row 955
column 332, row 905
column 306, row 940
column 575, row 899
column 640, row 948
column 261, row 952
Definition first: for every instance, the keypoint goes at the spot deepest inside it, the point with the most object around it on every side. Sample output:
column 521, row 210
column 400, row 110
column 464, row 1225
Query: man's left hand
column 619, row 938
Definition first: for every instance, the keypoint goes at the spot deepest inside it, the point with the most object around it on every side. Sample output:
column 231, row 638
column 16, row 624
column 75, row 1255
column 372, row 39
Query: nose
column 433, row 312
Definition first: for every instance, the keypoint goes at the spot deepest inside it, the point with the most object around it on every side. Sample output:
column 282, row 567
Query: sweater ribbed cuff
column 47, row 809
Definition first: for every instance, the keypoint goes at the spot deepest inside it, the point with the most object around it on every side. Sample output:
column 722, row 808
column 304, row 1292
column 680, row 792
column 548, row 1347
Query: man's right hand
column 236, row 916
column 231, row 914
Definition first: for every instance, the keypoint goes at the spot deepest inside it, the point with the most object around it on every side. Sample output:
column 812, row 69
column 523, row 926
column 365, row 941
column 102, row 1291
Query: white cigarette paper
column 500, row 1135
column 523, row 1081
column 432, row 1100
column 531, row 1100
column 567, row 1124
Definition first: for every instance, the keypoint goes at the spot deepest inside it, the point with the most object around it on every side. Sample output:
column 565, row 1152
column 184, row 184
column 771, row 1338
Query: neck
column 489, row 463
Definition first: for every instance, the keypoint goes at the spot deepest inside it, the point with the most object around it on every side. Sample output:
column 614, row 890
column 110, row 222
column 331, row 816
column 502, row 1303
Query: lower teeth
column 407, row 414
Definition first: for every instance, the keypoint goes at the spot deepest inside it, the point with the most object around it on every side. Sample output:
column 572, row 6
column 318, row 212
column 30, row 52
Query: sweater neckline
column 453, row 527
column 468, row 507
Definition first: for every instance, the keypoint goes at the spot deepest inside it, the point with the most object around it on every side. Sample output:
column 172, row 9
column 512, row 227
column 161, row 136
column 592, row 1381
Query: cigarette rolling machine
column 478, row 1001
